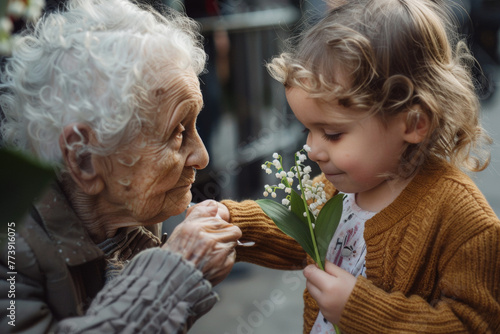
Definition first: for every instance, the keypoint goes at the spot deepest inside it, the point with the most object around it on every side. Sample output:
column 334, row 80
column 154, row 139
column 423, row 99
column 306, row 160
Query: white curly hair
column 98, row 63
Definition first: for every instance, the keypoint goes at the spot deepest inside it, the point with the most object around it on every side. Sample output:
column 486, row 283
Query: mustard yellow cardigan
column 432, row 262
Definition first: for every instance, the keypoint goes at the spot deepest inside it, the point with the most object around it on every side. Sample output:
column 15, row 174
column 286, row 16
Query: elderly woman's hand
column 222, row 210
column 207, row 241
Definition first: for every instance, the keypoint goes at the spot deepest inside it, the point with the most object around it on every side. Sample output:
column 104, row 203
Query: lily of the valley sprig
column 300, row 216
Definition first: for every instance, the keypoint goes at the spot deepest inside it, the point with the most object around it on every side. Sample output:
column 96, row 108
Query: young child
column 384, row 90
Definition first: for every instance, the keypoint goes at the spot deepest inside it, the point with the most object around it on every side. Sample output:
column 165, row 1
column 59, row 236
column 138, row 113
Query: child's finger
column 333, row 269
column 317, row 277
column 313, row 277
column 314, row 291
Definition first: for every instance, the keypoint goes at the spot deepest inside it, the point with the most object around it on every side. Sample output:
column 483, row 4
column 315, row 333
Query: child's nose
column 317, row 152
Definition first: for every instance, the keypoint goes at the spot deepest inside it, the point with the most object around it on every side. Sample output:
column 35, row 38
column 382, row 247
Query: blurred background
column 246, row 119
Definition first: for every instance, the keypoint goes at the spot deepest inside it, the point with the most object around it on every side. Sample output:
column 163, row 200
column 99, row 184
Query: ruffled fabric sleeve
column 158, row 292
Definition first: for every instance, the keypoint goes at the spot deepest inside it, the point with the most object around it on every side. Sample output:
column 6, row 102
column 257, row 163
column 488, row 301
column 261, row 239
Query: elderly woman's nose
column 198, row 155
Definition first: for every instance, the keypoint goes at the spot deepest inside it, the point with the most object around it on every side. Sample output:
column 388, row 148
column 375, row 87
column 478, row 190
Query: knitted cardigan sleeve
column 433, row 262
column 158, row 292
column 469, row 301
column 273, row 248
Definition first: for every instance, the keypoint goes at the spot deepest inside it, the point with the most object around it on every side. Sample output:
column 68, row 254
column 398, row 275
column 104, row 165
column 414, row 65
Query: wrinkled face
column 352, row 150
column 150, row 179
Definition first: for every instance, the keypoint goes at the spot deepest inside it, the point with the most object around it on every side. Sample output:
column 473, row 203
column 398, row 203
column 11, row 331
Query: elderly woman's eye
column 179, row 134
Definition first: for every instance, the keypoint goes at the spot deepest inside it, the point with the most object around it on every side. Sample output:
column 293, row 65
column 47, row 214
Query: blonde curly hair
column 396, row 54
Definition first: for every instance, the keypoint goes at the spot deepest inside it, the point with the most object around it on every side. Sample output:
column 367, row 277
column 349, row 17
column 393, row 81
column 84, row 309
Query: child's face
column 352, row 150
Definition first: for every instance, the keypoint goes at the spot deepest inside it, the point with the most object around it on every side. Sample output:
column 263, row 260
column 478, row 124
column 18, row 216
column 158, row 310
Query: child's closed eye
column 326, row 136
column 332, row 136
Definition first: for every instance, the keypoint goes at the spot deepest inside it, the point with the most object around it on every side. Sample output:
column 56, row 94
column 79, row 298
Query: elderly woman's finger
column 216, row 267
column 208, row 202
column 222, row 211
column 223, row 232
column 215, row 228
column 215, row 244
column 216, row 274
column 209, row 237
column 207, row 208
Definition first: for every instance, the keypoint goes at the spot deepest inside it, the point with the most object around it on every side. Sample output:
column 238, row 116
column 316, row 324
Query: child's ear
column 80, row 165
column 417, row 125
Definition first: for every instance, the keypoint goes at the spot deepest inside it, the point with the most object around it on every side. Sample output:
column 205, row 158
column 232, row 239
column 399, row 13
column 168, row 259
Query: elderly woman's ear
column 80, row 164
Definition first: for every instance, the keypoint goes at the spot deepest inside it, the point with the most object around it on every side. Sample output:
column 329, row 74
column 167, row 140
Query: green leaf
column 3, row 7
column 326, row 224
column 298, row 209
column 289, row 223
column 22, row 178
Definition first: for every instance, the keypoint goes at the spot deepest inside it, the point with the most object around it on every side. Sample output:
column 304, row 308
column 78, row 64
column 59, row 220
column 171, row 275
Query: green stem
column 284, row 180
column 313, row 236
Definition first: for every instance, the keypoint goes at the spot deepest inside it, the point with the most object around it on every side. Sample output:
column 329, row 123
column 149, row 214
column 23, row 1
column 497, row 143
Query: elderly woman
column 110, row 92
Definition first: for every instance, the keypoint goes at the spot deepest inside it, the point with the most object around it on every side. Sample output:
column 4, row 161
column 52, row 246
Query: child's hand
column 330, row 288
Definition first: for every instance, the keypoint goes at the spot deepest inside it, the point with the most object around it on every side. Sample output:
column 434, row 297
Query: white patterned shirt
column 347, row 249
